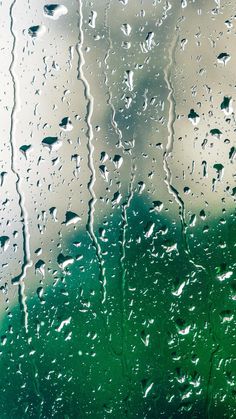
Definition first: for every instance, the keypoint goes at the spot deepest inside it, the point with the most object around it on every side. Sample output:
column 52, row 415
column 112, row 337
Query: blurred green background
column 127, row 309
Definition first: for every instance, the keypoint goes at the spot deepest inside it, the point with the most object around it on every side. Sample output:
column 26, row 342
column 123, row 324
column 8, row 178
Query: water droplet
column 4, row 242
column 24, row 149
column 52, row 143
column 223, row 58
column 71, row 218
column 36, row 31
column 193, row 117
column 55, row 11
column 126, row 29
column 66, row 124
column 64, row 261
column 92, row 19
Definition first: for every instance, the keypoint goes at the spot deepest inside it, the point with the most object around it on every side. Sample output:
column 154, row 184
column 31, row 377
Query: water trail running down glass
column 26, row 263
column 89, row 112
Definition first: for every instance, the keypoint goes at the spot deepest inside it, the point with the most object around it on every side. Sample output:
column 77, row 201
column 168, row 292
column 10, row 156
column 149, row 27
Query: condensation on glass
column 117, row 181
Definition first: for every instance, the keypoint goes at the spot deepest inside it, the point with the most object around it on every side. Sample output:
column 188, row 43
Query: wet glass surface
column 117, row 180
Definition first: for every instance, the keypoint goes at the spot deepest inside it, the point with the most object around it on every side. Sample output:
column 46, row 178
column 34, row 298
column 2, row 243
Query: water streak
column 170, row 143
column 109, row 100
column 26, row 263
column 216, row 347
column 125, row 208
column 169, row 149
column 90, row 136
